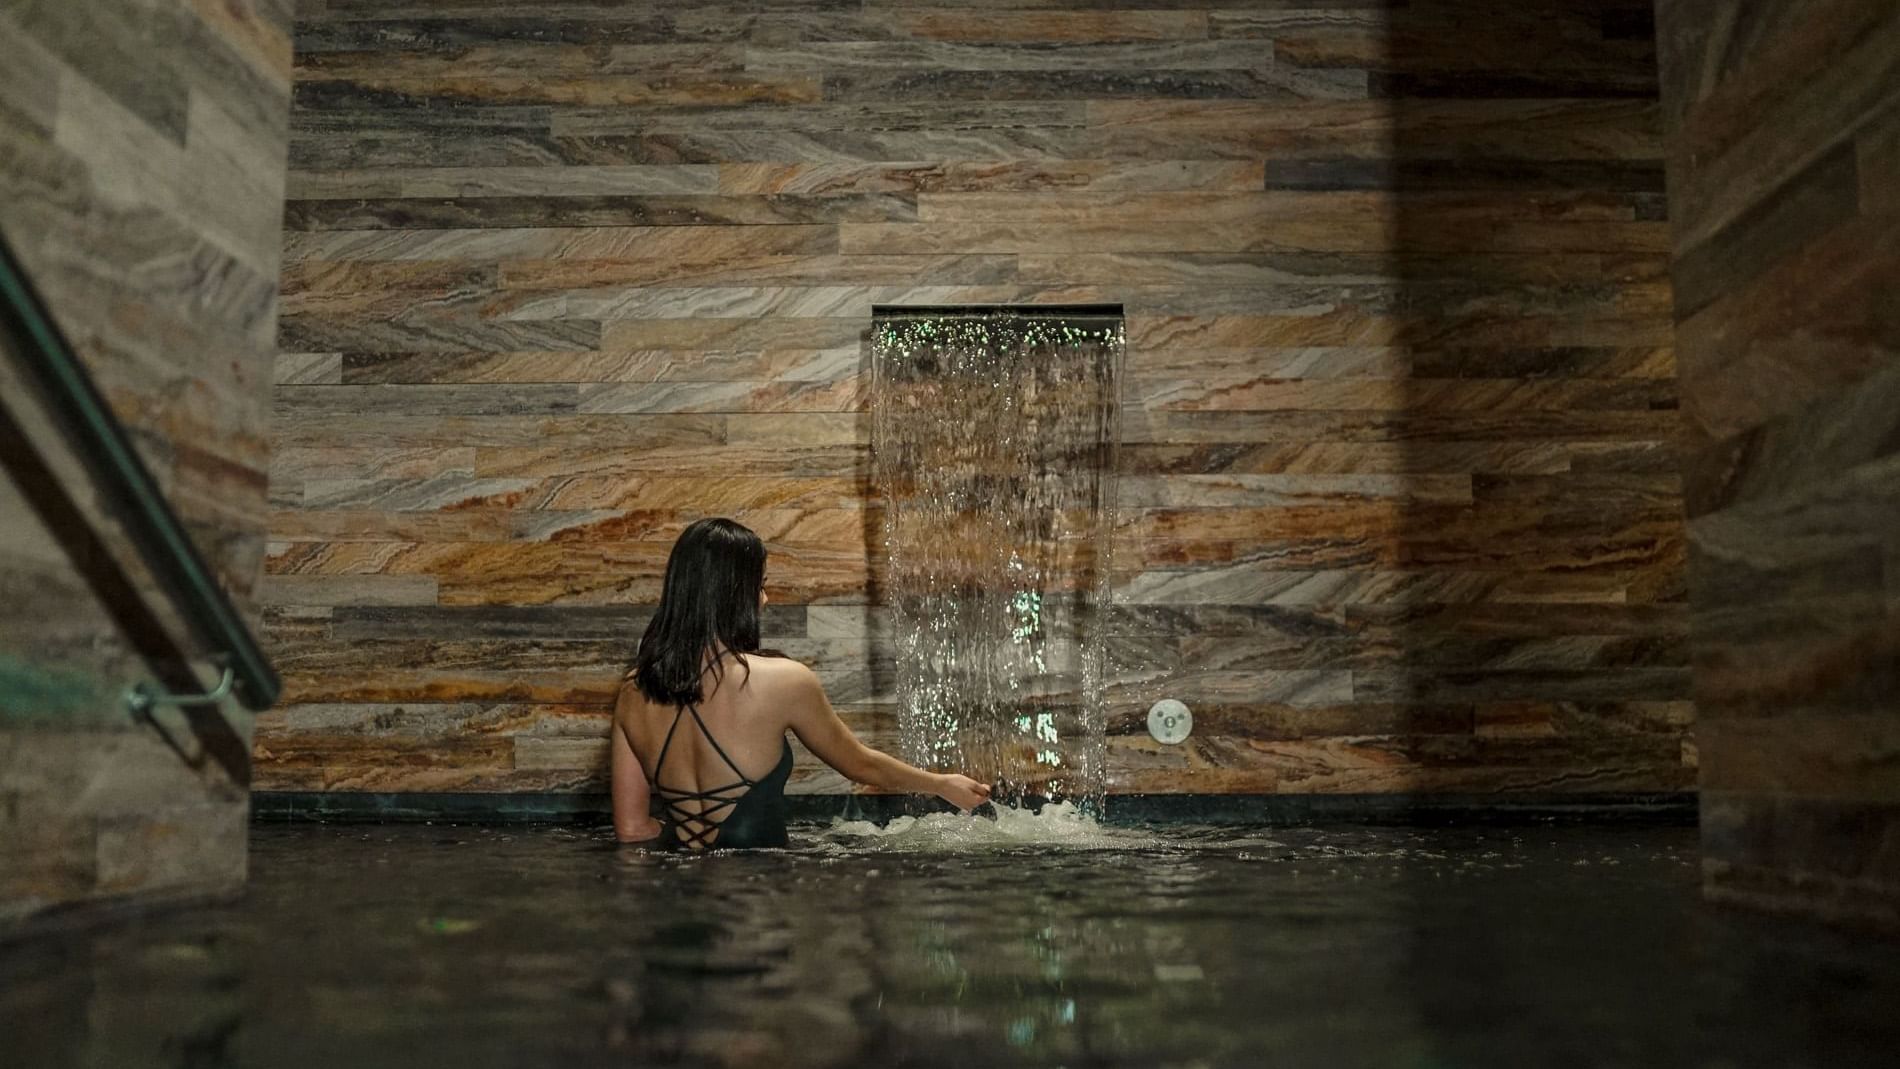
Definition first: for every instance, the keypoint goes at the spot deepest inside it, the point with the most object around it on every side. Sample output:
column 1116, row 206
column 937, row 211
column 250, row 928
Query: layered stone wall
column 142, row 150
column 1400, row 503
column 1785, row 193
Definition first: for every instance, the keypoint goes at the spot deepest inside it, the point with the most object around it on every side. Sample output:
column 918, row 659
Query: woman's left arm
column 633, row 818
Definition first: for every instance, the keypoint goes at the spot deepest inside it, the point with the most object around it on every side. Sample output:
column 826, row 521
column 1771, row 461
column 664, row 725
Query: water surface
column 958, row 942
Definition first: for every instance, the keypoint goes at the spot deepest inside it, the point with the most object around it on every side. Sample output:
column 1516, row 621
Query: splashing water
column 1057, row 824
column 994, row 438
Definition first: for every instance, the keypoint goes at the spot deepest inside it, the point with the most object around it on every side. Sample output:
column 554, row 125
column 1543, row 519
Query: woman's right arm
column 633, row 820
column 818, row 726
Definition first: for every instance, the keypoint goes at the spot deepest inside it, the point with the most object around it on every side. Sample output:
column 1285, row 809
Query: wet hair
column 709, row 602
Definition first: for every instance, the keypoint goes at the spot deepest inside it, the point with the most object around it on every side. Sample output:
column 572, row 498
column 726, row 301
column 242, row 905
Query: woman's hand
column 962, row 791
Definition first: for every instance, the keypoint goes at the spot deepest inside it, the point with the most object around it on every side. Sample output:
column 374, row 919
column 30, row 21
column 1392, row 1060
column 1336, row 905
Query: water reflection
column 1165, row 946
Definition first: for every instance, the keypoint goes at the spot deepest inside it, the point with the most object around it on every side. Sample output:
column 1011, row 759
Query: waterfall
column 994, row 438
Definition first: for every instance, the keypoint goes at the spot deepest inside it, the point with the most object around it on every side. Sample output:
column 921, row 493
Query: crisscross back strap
column 697, row 827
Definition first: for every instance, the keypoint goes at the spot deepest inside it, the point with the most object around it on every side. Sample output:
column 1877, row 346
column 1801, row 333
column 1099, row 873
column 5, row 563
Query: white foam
column 1057, row 824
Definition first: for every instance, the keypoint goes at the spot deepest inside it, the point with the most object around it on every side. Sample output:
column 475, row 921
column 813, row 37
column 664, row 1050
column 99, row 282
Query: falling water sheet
column 994, row 439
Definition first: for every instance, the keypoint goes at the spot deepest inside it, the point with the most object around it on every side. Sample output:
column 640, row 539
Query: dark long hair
column 710, row 601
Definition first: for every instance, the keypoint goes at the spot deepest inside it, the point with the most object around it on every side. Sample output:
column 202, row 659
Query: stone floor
column 465, row 946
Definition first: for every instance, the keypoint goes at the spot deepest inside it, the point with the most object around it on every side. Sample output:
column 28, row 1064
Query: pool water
column 954, row 941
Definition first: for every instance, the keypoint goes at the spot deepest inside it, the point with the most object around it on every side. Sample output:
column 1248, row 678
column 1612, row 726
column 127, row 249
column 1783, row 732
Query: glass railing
column 126, row 490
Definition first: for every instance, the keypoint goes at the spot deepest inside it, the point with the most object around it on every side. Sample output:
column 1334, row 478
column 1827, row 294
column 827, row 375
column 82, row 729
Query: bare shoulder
column 781, row 679
column 781, row 672
column 629, row 703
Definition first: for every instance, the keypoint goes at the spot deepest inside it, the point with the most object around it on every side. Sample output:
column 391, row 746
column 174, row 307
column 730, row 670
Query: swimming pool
column 1180, row 946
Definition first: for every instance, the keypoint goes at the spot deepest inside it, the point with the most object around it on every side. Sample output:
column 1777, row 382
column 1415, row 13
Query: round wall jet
column 1169, row 721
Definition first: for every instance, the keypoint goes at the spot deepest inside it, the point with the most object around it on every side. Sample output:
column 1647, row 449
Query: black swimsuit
column 754, row 808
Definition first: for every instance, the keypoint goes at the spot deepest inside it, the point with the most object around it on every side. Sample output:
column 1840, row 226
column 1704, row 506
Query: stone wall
column 1401, row 507
column 141, row 183
column 1785, row 198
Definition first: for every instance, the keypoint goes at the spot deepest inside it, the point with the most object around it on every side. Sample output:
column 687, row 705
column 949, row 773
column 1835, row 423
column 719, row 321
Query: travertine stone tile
column 1399, row 397
column 142, row 155
column 1781, row 168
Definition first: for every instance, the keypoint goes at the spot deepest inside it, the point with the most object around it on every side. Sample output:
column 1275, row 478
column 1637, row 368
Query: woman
column 702, row 715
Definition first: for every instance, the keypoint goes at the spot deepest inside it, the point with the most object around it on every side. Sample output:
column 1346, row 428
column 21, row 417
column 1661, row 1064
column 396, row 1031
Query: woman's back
column 718, row 766
column 701, row 721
